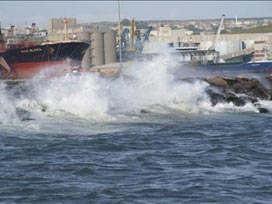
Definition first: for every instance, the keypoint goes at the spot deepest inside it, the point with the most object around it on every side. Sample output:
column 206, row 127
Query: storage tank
column 97, row 48
column 110, row 46
column 86, row 62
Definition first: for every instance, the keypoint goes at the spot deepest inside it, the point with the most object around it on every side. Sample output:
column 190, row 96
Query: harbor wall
column 183, row 37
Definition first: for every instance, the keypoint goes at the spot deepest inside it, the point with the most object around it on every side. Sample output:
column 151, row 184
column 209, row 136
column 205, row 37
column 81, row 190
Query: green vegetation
column 258, row 29
column 196, row 31
column 139, row 24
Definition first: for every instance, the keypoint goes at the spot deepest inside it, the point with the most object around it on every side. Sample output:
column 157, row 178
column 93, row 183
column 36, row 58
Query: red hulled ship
column 24, row 62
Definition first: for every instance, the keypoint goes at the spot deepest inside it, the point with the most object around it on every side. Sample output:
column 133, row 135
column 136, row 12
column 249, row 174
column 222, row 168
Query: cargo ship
column 264, row 66
column 25, row 61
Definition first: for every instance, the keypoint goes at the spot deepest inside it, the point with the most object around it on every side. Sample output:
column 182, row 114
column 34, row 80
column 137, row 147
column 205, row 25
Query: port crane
column 218, row 33
column 141, row 43
column 124, row 38
column 127, row 43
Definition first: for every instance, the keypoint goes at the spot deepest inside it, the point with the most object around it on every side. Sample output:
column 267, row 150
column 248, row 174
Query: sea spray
column 146, row 86
column 78, row 95
column 7, row 111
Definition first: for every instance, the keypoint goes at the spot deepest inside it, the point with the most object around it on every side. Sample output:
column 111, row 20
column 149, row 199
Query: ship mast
column 65, row 21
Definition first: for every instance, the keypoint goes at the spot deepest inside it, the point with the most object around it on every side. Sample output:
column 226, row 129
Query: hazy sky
column 25, row 12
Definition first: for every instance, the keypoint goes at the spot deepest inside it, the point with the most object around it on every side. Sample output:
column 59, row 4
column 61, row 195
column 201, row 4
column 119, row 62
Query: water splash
column 147, row 86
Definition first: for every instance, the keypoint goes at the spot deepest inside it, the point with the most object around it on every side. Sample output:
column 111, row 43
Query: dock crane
column 146, row 35
column 141, row 43
column 216, row 40
column 218, row 33
column 124, row 38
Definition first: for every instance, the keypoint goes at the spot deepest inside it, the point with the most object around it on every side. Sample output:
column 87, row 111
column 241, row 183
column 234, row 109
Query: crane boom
column 218, row 33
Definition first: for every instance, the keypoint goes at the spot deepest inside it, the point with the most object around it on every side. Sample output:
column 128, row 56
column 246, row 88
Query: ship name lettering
column 35, row 50
column 24, row 51
column 31, row 50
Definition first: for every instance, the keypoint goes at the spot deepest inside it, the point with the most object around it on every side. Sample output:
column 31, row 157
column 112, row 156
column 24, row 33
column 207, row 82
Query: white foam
column 7, row 111
column 145, row 85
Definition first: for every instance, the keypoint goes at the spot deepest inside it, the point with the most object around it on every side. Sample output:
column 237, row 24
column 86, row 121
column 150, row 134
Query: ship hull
column 27, row 62
column 262, row 66
column 26, row 70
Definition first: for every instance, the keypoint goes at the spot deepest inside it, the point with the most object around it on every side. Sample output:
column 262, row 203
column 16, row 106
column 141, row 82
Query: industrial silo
column 110, row 46
column 97, row 48
column 86, row 62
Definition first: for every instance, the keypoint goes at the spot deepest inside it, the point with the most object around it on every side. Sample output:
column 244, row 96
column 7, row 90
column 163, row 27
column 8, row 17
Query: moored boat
column 252, row 66
column 25, row 60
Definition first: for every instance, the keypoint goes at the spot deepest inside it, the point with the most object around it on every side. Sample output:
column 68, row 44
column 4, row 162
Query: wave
column 142, row 88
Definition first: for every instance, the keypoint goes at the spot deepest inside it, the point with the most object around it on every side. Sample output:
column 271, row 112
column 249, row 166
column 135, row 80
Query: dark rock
column 238, row 101
column 43, row 108
column 249, row 99
column 235, row 99
column 215, row 98
column 143, row 111
column 217, row 81
column 239, row 85
column 251, row 87
column 230, row 81
column 237, row 90
column 263, row 110
column 23, row 114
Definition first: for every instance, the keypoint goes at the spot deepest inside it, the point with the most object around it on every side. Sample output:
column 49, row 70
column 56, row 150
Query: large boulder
column 241, row 85
column 216, row 97
column 238, row 91
column 217, row 81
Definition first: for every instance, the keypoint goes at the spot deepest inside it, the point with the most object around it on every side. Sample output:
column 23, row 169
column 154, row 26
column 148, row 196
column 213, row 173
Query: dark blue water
column 146, row 137
column 214, row 158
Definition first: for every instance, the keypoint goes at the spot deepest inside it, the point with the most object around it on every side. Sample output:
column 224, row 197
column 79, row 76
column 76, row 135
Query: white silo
column 97, row 48
column 86, row 62
column 110, row 46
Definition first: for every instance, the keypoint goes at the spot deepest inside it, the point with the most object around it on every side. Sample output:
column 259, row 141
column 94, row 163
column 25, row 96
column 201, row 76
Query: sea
column 148, row 136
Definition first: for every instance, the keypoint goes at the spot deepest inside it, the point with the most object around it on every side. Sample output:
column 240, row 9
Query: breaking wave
column 148, row 86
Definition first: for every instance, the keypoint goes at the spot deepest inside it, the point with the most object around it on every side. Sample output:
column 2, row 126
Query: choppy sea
column 145, row 137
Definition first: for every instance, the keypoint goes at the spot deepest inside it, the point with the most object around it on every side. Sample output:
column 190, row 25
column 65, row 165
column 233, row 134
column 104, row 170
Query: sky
column 23, row 13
